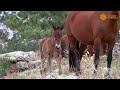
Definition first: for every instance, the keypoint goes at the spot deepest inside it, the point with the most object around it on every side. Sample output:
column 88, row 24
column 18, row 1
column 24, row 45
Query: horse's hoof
column 95, row 74
column 95, row 71
column 70, row 70
column 78, row 73
column 107, row 76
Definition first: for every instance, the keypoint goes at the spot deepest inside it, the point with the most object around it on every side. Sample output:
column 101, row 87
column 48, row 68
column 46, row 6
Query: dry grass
column 87, row 68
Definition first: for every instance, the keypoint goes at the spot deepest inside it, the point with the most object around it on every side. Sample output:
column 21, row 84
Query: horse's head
column 114, row 14
column 57, row 35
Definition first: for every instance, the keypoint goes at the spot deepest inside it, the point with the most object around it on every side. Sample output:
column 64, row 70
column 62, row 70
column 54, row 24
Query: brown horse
column 89, row 49
column 90, row 28
column 51, row 47
column 65, row 46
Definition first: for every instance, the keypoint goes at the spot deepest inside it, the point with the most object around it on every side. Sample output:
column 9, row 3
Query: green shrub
column 4, row 66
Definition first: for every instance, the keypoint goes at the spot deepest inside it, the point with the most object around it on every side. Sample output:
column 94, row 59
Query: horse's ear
column 62, row 26
column 54, row 28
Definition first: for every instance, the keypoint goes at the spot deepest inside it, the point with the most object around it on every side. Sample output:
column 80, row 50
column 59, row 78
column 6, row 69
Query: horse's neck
column 114, row 13
column 52, row 40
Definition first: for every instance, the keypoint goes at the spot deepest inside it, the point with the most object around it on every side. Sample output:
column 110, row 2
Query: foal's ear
column 62, row 26
column 54, row 28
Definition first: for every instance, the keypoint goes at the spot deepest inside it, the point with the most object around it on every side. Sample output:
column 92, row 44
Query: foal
column 51, row 47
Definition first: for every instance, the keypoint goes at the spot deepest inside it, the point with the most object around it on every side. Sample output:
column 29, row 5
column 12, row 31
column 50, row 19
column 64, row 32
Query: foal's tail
column 41, row 42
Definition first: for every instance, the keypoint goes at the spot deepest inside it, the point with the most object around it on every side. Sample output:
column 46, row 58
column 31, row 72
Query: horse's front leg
column 109, row 58
column 58, row 59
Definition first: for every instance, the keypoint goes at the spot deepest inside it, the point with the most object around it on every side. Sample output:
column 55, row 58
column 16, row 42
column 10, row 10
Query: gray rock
column 116, row 51
column 22, row 65
column 20, row 56
column 34, row 64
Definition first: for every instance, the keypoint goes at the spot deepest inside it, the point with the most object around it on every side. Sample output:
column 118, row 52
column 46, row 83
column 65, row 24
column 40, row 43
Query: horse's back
column 80, row 25
column 86, row 26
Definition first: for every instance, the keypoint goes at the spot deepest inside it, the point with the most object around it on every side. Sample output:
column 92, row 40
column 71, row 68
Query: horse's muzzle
column 57, row 46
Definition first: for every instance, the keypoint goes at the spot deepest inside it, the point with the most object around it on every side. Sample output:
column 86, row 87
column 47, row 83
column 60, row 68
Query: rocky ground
column 87, row 68
column 26, row 65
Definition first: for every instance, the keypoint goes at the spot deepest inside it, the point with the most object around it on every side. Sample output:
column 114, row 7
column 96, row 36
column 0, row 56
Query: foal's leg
column 59, row 64
column 42, row 59
column 58, row 59
column 109, row 58
column 43, row 70
column 49, row 61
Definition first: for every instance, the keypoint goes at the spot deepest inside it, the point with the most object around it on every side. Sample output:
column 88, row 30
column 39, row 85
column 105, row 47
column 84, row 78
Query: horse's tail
column 77, row 45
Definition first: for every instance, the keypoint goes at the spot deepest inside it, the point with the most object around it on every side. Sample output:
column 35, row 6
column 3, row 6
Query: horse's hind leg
column 70, row 60
column 97, row 43
column 74, row 64
column 81, row 50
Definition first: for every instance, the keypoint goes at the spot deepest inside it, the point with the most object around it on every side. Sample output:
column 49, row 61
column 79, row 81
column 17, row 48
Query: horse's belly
column 83, row 36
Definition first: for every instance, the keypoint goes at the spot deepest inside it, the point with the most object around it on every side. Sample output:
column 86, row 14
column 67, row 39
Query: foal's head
column 57, row 35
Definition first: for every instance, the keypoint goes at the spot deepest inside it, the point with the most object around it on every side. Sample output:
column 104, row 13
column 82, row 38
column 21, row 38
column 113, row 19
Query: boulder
column 20, row 56
column 116, row 51
column 34, row 64
column 22, row 60
column 22, row 65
